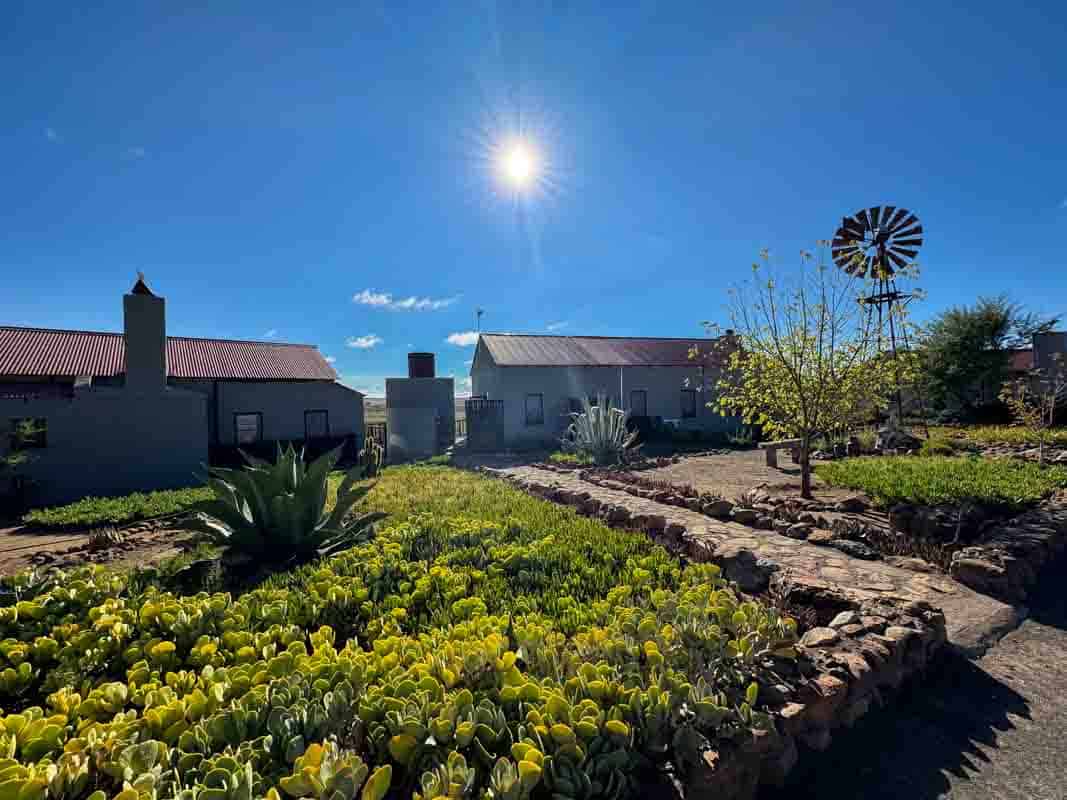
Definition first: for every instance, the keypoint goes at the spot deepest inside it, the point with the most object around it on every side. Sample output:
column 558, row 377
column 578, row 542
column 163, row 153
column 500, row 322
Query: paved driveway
column 992, row 728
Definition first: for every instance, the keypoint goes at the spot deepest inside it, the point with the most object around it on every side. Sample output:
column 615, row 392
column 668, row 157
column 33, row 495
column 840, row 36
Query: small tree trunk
column 1041, row 452
column 805, row 469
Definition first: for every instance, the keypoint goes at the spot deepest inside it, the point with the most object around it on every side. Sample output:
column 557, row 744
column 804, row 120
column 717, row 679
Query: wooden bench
column 772, row 448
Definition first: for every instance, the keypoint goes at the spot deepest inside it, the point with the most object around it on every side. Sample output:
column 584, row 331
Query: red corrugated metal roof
column 522, row 350
column 41, row 352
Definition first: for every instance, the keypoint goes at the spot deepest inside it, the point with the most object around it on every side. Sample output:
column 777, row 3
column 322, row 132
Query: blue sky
column 301, row 171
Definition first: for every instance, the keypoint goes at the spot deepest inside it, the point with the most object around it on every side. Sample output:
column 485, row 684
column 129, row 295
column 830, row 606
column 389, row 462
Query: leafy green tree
column 966, row 346
column 807, row 358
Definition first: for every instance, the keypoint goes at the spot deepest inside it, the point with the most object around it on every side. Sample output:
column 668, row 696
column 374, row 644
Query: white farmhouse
column 540, row 380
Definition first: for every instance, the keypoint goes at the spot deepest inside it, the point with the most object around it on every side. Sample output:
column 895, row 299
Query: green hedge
column 92, row 511
column 484, row 641
column 930, row 480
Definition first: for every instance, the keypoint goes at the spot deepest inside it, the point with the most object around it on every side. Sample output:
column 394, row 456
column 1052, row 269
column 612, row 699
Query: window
column 535, row 409
column 689, row 403
column 638, row 403
column 316, row 424
column 248, row 427
column 28, row 433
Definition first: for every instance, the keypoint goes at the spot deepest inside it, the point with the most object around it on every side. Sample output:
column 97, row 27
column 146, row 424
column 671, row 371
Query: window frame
column 326, row 414
column 39, row 442
column 259, row 426
column 539, row 419
column 644, row 402
column 689, row 393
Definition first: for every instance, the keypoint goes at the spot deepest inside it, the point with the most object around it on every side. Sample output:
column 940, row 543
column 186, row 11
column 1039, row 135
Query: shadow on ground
column 992, row 728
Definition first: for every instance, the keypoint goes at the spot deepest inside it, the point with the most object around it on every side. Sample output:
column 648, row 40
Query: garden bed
column 537, row 647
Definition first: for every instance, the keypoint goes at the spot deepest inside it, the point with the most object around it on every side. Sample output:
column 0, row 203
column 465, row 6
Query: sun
column 519, row 164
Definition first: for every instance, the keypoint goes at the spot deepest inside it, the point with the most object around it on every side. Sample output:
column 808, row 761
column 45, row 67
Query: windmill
column 878, row 243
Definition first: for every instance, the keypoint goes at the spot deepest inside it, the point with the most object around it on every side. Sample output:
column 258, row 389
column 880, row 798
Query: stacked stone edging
column 1005, row 561
column 859, row 650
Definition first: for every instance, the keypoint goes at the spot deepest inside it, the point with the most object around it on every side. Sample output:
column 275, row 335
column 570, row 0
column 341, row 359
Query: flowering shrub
column 449, row 657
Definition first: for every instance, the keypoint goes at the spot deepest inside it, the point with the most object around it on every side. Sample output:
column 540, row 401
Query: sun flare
column 519, row 164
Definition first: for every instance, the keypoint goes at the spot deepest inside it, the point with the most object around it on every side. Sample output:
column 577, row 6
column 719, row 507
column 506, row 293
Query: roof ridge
column 588, row 336
column 123, row 335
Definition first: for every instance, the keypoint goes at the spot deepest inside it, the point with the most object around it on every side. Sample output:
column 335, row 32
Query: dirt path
column 22, row 548
column 973, row 621
column 983, row 730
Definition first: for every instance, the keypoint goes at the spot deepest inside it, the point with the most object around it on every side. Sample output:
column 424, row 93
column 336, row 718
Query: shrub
column 599, row 432
column 521, row 657
column 940, row 479
column 1001, row 434
column 277, row 512
column 93, row 511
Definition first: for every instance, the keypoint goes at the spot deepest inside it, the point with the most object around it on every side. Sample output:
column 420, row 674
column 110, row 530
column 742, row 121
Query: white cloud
column 271, row 334
column 330, row 359
column 363, row 342
column 51, row 135
column 464, row 339
column 557, row 326
column 369, row 297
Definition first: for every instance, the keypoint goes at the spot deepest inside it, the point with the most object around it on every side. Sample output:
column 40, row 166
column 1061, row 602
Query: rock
column 821, row 537
column 694, row 504
column 914, row 564
column 855, row 549
column 845, row 618
column 977, row 573
column 851, row 505
column 823, row 697
column 781, row 525
column 653, row 523
column 901, row 516
column 674, row 531
column 720, row 509
column 820, row 637
column 793, row 717
column 799, row 530
column 744, row 516
column 764, row 522
column 893, row 437
column 741, row 566
column 807, row 516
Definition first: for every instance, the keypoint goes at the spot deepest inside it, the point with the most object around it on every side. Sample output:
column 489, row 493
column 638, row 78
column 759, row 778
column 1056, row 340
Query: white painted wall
column 663, row 387
column 283, row 404
column 107, row 441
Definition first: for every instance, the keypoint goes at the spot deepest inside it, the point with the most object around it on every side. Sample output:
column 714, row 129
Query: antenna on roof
column 478, row 318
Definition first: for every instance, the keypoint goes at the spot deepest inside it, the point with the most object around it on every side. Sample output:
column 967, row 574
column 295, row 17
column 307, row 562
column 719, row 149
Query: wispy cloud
column 363, row 342
column 369, row 297
column 557, row 326
column 330, row 359
column 51, row 135
column 1063, row 203
column 463, row 339
column 271, row 334
column 135, row 152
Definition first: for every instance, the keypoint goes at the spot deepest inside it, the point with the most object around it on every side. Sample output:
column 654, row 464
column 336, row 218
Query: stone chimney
column 145, row 326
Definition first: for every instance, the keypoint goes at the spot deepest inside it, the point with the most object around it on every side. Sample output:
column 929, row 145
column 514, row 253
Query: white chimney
column 145, row 326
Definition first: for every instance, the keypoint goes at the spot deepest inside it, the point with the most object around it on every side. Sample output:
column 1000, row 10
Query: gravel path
column 991, row 728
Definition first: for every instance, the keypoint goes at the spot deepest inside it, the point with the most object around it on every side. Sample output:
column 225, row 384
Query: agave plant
column 599, row 431
column 277, row 512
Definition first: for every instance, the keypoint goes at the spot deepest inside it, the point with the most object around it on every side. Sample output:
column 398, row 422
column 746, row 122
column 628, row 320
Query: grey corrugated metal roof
column 527, row 350
column 43, row 352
